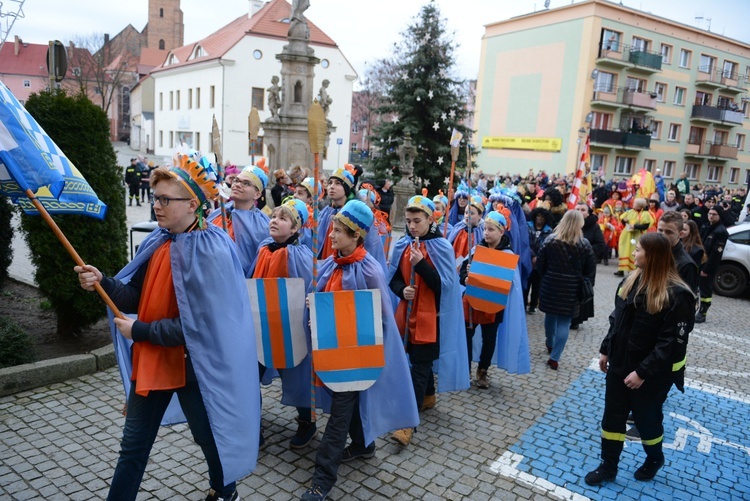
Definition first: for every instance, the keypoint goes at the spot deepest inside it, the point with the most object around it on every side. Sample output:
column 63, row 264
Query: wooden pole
column 216, row 140
column 69, row 247
column 454, row 158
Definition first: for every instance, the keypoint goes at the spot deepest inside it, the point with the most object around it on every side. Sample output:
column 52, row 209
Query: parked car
column 733, row 276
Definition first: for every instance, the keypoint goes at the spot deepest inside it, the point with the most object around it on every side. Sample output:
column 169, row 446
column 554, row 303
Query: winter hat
column 421, row 203
column 356, row 215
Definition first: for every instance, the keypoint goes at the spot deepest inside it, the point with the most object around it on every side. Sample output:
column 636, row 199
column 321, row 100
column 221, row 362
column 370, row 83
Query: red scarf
column 423, row 317
column 335, row 283
column 158, row 367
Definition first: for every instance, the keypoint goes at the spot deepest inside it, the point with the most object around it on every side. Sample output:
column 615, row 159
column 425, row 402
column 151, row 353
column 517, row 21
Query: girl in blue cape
column 459, row 235
column 283, row 256
column 436, row 335
column 340, row 191
column 246, row 224
column 387, row 404
column 506, row 329
column 182, row 275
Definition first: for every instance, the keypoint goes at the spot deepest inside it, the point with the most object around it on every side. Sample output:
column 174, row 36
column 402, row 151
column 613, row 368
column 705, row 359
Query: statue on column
column 324, row 99
column 274, row 98
column 406, row 154
column 298, row 24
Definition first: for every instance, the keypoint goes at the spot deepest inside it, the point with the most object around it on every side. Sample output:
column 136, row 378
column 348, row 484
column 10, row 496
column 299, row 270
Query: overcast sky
column 364, row 30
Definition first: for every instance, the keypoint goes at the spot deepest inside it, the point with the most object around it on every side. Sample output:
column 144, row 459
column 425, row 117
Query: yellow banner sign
column 523, row 143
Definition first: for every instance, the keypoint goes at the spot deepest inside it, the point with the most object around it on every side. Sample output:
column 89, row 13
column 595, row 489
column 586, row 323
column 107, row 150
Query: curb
column 29, row 376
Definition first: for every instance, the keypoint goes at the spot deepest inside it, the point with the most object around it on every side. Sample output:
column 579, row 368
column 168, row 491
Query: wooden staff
column 454, row 158
column 468, row 208
column 71, row 250
column 216, row 143
column 253, row 127
column 316, row 132
column 412, row 279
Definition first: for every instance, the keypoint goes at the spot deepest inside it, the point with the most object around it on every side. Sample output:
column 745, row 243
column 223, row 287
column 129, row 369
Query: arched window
column 161, row 44
column 298, row 92
column 161, row 12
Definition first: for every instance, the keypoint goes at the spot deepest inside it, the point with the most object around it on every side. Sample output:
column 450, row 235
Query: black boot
column 654, row 461
column 700, row 317
column 607, row 470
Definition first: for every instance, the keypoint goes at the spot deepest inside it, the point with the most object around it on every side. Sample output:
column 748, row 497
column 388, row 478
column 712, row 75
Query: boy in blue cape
column 246, row 224
column 388, row 404
column 434, row 330
column 459, row 235
column 182, row 275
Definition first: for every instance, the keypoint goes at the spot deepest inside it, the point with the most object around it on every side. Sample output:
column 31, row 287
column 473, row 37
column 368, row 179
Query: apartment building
column 647, row 91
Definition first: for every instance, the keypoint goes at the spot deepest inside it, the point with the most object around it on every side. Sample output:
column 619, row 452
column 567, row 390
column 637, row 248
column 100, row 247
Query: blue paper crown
column 356, row 215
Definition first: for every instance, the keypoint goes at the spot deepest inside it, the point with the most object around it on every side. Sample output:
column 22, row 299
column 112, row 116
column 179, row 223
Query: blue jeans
column 141, row 426
column 556, row 328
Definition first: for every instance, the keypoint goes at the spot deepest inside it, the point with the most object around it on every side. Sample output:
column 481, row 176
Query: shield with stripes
column 347, row 338
column 278, row 306
column 490, row 278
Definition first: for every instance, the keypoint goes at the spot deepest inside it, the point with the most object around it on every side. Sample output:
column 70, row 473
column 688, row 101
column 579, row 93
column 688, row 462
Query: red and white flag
column 580, row 173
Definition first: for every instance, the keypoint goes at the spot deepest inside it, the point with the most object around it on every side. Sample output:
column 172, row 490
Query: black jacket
column 714, row 238
column 593, row 233
column 386, row 199
column 562, row 266
column 686, row 267
column 654, row 346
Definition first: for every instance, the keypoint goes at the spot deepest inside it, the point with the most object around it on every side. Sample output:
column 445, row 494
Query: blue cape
column 512, row 348
column 295, row 383
column 250, row 229
column 208, row 281
column 453, row 364
column 519, row 241
column 389, row 403
column 373, row 243
column 453, row 215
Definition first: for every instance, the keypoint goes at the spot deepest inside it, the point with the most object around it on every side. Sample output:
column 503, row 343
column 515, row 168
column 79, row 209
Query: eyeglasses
column 244, row 182
column 164, row 200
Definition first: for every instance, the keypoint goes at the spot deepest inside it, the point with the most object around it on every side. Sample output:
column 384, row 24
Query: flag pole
column 69, row 247
column 216, row 140
column 468, row 220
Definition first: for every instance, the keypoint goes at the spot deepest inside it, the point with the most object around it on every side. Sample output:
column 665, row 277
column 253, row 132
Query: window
column 161, row 12
column 325, row 63
column 598, row 163
column 740, row 142
column 161, row 138
column 734, row 175
column 650, row 165
column 747, row 176
column 708, row 64
column 674, row 132
column 354, row 147
column 601, row 120
column 696, row 135
column 258, row 149
column 171, row 100
column 212, row 97
column 355, row 127
column 730, row 70
column 190, row 99
column 98, row 91
column 693, row 171
column 27, row 83
column 640, row 45
column 724, row 102
column 703, row 98
column 624, row 166
column 171, row 139
column 198, row 141
column 668, row 170
column 198, row 52
column 656, row 129
column 197, row 98
column 679, row 96
column 635, row 84
column 258, row 94
column 178, row 99
column 714, row 173
column 161, row 101
column 660, row 89
column 666, row 54
column 720, row 137
column 611, row 40
column 685, row 56
column 746, row 108
column 257, row 54
column 162, row 46
column 605, row 82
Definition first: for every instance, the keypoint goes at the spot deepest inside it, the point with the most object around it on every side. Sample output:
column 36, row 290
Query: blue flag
column 29, row 159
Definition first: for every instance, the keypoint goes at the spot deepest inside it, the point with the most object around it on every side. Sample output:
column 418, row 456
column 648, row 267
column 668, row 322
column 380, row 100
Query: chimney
column 16, row 44
column 255, row 6
column 106, row 38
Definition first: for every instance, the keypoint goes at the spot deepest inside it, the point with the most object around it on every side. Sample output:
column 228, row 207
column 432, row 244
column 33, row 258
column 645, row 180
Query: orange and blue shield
column 278, row 306
column 490, row 279
column 347, row 338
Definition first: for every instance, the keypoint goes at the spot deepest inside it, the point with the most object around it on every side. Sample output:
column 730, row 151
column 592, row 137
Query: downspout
column 223, row 83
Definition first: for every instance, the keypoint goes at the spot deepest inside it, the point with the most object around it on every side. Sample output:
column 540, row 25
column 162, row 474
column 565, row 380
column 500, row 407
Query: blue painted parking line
column 706, row 444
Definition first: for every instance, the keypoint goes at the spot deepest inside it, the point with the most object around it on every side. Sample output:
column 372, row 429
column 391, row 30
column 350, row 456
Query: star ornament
column 395, row 119
column 443, row 117
column 430, row 94
column 446, row 180
column 436, row 126
column 426, row 182
column 440, row 162
column 452, row 114
column 405, row 77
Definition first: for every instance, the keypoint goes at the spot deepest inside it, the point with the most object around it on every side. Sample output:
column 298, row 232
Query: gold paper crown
column 195, row 178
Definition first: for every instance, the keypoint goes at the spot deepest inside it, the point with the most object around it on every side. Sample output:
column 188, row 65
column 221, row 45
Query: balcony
column 619, row 55
column 649, row 62
column 719, row 115
column 711, row 151
column 639, row 99
column 722, row 80
column 616, row 138
column 732, row 116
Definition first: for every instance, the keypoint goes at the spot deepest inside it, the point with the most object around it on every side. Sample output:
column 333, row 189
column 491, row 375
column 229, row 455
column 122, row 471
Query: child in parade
column 283, row 256
column 459, row 236
column 370, row 196
column 246, row 224
column 611, row 228
column 422, row 274
column 439, row 216
column 184, row 272
column 341, row 190
column 387, row 404
column 304, row 192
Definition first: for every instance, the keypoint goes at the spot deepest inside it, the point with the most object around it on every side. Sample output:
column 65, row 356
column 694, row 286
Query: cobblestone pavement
column 530, row 436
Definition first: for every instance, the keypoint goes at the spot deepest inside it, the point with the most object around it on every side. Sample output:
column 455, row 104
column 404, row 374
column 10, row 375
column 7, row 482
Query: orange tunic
column 423, row 317
column 272, row 264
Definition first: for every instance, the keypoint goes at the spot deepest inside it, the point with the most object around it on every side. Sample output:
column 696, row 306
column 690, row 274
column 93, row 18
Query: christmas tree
column 422, row 98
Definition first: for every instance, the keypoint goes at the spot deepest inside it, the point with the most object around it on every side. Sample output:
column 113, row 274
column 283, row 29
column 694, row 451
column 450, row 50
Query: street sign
column 339, row 140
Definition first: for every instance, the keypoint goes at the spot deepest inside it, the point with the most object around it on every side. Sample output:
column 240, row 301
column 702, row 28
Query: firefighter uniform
column 714, row 238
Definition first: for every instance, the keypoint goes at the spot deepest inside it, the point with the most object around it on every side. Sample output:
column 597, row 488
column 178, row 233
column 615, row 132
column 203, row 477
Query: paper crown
column 462, row 191
column 356, row 215
column 440, row 198
column 256, row 175
column 422, row 203
column 345, row 176
column 497, row 219
column 366, row 196
column 308, row 183
column 477, row 202
column 195, row 178
column 372, row 194
column 298, row 208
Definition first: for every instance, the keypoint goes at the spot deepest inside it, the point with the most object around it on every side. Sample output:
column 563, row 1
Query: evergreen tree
column 6, row 237
column 424, row 100
column 81, row 130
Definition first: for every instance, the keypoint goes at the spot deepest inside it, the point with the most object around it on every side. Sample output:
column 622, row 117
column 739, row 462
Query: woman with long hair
column 691, row 241
column 564, row 260
column 643, row 354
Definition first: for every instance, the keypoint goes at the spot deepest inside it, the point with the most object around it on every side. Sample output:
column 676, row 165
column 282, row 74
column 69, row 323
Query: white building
column 228, row 72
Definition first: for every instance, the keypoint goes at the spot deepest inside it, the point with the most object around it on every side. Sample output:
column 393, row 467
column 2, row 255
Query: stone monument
column 404, row 189
column 285, row 132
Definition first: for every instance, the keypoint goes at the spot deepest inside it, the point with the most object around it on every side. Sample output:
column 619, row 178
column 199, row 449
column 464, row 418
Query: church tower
column 165, row 30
